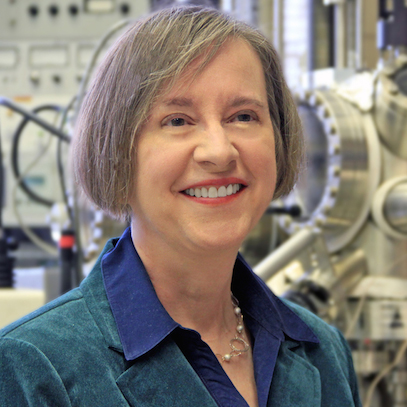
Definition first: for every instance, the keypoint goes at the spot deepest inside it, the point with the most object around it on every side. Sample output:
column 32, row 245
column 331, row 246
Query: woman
column 189, row 131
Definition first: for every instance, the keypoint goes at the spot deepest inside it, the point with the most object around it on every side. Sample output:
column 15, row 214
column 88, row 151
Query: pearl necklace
column 237, row 344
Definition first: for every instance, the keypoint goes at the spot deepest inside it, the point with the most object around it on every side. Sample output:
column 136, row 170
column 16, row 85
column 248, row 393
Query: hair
column 147, row 59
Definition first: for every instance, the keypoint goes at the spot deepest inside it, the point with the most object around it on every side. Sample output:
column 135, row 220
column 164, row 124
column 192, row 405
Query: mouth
column 213, row 192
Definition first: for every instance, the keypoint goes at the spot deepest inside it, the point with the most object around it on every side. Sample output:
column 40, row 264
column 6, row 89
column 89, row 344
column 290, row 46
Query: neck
column 193, row 286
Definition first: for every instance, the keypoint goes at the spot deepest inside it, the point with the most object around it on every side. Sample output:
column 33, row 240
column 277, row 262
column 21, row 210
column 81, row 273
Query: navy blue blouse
column 143, row 322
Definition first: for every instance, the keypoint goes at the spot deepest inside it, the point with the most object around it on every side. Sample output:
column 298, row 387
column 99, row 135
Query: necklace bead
column 243, row 345
column 227, row 357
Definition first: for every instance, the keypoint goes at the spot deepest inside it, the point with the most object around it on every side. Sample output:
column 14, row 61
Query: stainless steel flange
column 343, row 168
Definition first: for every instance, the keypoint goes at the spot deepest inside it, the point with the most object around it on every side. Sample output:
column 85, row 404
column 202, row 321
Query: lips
column 214, row 192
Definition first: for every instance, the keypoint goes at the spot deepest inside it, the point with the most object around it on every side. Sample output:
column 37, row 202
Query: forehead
column 235, row 66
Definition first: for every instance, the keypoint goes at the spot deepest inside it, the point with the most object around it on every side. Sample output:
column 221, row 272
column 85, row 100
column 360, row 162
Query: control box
column 45, row 47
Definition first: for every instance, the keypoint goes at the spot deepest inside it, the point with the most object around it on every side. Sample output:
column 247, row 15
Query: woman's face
column 205, row 159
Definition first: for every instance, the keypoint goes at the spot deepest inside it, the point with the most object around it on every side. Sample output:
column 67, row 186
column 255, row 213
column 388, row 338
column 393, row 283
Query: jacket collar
column 140, row 321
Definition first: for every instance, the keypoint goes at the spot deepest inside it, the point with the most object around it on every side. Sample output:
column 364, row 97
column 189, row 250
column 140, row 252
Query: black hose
column 2, row 185
column 60, row 165
column 14, row 156
column 6, row 262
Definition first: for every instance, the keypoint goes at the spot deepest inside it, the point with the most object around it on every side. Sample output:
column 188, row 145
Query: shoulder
column 58, row 312
column 332, row 358
column 69, row 316
column 31, row 353
column 59, row 331
column 61, row 352
column 321, row 328
column 331, row 341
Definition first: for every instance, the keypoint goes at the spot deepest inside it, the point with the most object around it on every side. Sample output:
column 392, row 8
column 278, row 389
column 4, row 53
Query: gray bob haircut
column 146, row 60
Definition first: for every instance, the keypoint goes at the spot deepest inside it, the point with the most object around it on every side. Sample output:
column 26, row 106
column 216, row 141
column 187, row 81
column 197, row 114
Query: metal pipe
column 340, row 35
column 285, row 253
column 278, row 25
column 359, row 34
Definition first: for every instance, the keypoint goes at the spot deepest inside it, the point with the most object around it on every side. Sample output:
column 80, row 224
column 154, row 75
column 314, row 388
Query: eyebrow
column 179, row 102
column 240, row 101
column 235, row 102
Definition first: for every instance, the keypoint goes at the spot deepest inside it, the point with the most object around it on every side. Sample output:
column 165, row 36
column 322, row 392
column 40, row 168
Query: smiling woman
column 189, row 131
column 144, row 65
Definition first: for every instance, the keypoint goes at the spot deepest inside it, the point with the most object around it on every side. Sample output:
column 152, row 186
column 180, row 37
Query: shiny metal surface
column 280, row 257
column 390, row 111
column 389, row 207
column 349, row 271
column 315, row 177
column 335, row 190
column 395, row 207
column 385, row 256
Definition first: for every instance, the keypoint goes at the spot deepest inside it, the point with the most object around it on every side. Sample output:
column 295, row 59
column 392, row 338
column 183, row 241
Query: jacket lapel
column 163, row 378
column 296, row 382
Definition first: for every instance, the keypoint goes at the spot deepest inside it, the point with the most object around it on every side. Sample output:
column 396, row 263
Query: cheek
column 159, row 165
column 263, row 159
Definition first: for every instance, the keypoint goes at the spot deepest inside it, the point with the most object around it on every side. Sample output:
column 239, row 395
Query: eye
column 244, row 117
column 176, row 122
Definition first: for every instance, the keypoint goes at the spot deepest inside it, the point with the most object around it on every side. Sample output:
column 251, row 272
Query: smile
column 213, row 192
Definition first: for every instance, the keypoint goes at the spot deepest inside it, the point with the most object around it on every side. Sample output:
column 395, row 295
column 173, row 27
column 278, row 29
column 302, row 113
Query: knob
column 125, row 8
column 53, row 10
column 33, row 10
column 73, row 9
column 35, row 77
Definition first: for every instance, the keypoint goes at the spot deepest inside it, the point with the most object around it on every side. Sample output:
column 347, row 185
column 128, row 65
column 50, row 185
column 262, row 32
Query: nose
column 215, row 149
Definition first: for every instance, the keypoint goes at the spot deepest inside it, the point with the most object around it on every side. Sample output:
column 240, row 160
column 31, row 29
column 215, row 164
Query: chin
column 224, row 239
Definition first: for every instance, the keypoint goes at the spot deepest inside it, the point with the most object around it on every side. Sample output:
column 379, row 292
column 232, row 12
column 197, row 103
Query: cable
column 384, row 372
column 35, row 239
column 88, row 71
column 60, row 164
column 36, row 119
column 356, row 316
column 2, row 185
column 14, row 156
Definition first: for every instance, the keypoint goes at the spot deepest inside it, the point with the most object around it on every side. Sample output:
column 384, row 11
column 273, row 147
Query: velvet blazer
column 68, row 353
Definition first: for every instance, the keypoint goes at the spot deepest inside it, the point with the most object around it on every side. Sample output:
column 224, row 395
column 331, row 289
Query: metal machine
column 345, row 257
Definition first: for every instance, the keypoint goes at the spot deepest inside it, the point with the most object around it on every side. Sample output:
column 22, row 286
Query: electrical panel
column 45, row 47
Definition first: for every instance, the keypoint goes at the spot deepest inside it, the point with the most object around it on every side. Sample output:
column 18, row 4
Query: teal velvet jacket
column 68, row 353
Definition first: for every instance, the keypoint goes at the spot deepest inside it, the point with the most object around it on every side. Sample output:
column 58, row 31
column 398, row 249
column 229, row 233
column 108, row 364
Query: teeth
column 222, row 192
column 212, row 192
